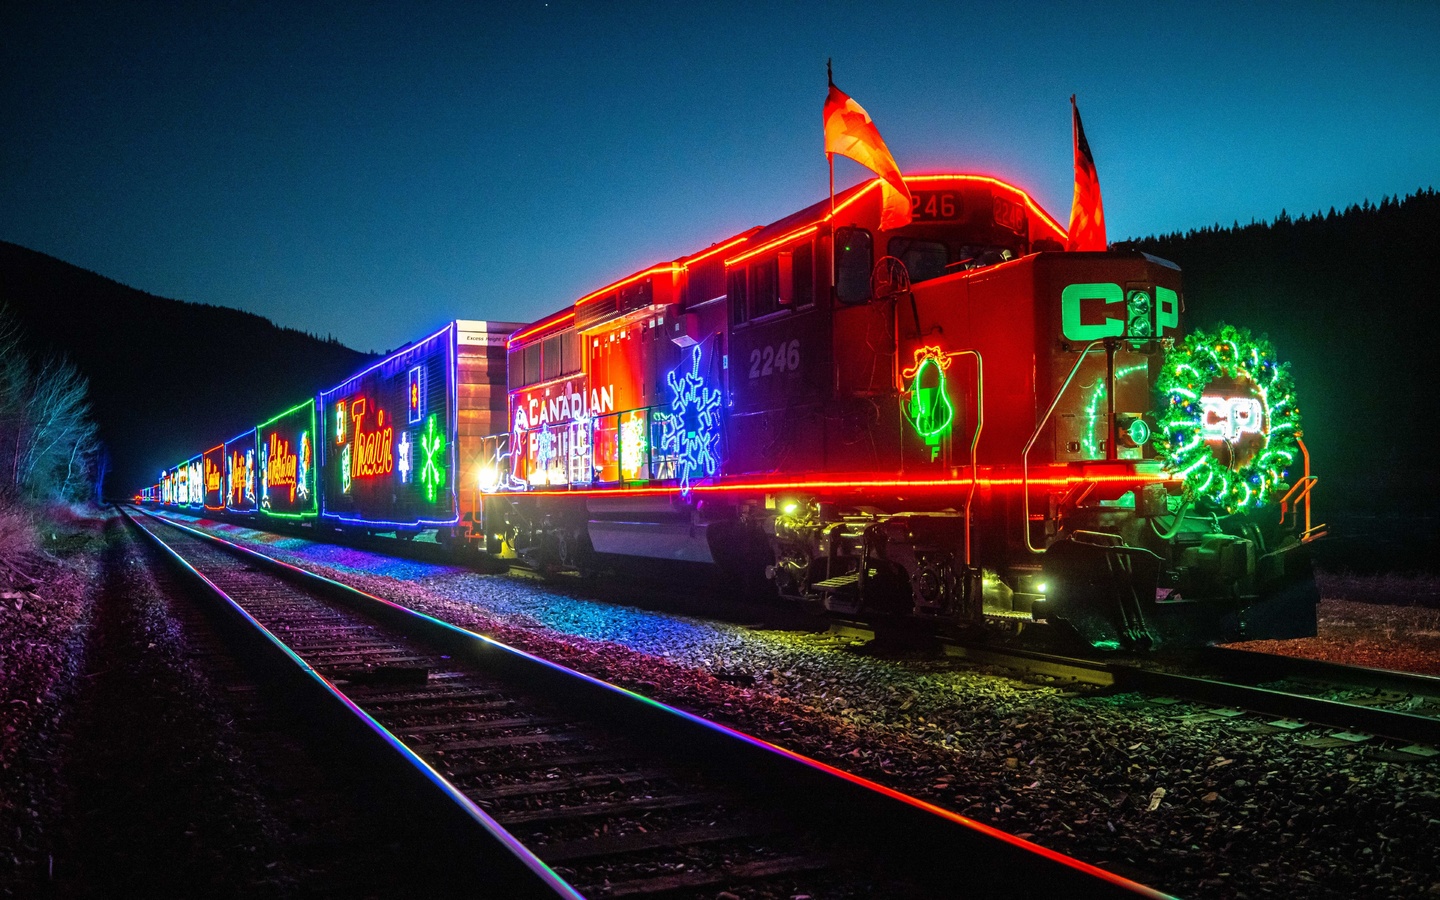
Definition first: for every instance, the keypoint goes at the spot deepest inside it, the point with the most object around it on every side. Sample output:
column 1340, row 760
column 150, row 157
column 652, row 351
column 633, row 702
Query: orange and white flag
column 849, row 131
column 1087, row 214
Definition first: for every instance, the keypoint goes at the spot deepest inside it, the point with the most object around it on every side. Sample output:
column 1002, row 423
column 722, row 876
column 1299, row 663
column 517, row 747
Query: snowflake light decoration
column 432, row 469
column 407, row 450
column 692, row 430
column 1230, row 424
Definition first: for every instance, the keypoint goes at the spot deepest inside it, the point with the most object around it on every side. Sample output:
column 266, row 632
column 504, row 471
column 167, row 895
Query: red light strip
column 782, row 239
column 995, row 182
column 875, row 183
column 688, row 261
column 859, row 484
column 544, row 324
column 559, row 319
column 653, row 270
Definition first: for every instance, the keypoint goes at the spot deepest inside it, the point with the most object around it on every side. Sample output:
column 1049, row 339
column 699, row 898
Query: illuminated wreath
column 1229, row 423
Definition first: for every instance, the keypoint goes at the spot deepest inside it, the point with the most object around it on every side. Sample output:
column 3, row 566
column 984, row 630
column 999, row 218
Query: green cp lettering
column 1111, row 297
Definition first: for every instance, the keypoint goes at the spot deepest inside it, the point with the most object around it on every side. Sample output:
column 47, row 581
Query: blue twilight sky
column 373, row 169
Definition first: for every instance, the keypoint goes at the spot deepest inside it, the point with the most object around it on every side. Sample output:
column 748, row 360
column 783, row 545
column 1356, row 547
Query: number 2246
column 779, row 358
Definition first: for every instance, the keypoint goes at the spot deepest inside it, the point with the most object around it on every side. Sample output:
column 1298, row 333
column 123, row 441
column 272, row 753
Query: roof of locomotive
column 755, row 240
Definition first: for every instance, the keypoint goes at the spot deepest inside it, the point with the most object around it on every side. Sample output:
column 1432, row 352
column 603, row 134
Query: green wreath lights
column 1229, row 423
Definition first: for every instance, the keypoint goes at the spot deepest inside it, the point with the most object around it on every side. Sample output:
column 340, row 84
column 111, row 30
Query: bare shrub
column 48, row 442
column 18, row 540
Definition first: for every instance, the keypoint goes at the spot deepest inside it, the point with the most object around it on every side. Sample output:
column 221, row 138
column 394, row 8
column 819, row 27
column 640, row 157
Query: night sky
column 372, row 170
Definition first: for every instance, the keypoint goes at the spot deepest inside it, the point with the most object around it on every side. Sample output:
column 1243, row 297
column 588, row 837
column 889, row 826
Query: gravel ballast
column 1173, row 794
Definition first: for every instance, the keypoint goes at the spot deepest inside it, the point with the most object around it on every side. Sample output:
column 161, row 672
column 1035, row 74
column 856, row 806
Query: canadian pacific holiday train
column 954, row 421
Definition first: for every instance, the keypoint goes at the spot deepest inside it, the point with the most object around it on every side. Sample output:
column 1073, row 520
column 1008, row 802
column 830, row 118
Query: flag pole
column 830, row 158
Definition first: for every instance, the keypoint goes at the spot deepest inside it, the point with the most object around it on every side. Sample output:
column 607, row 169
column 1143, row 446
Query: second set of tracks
column 546, row 782
column 1401, row 706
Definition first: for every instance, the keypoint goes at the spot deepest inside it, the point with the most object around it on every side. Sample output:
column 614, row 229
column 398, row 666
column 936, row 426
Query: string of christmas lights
column 1233, row 452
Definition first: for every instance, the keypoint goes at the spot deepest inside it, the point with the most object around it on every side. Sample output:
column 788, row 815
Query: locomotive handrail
column 1299, row 494
column 974, row 441
column 1025, row 454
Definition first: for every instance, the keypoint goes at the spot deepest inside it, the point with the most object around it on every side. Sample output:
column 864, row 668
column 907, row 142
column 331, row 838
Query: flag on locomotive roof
column 849, row 131
column 1087, row 215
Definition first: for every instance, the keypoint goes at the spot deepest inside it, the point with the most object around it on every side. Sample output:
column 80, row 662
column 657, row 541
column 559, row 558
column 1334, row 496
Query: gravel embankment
column 1172, row 794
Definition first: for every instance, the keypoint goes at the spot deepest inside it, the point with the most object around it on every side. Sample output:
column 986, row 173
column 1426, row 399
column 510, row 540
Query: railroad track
column 1397, row 705
column 546, row 782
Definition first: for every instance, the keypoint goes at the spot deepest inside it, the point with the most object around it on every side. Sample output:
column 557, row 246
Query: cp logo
column 1227, row 418
column 1108, row 310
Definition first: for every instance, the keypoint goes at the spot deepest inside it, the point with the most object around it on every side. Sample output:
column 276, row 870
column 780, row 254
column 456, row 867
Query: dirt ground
column 1385, row 621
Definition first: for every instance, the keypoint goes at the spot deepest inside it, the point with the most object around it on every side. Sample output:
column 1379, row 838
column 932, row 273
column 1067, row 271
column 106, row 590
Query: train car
column 240, row 473
column 953, row 421
column 212, row 464
column 400, row 445
column 167, row 487
column 285, row 465
column 188, row 481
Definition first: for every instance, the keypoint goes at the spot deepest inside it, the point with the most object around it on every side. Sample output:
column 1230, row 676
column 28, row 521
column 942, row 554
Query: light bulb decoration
column 264, row 477
column 250, row 477
column 405, row 464
column 546, row 449
column 1229, row 421
column 928, row 408
column 303, row 464
column 432, row 455
column 692, row 430
column 346, row 464
column 634, row 447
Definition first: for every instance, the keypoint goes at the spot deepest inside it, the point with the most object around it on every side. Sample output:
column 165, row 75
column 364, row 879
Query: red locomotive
column 954, row 420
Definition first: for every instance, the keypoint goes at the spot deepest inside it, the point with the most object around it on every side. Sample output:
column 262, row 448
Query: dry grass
column 19, row 540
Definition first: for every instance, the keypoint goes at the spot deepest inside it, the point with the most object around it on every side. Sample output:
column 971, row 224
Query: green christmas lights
column 432, row 468
column 929, row 409
column 1229, row 423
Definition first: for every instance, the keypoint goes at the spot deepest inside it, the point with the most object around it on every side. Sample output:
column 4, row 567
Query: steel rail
column 503, row 860
column 1389, row 723
column 1236, row 686
column 938, row 846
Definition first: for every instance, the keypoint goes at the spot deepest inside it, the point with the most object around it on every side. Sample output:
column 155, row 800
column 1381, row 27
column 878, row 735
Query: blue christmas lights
column 692, row 430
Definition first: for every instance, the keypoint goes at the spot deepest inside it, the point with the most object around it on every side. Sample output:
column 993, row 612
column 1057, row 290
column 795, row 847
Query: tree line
column 1352, row 299
column 49, row 444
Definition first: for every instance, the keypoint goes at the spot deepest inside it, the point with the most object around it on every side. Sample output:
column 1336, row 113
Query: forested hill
column 167, row 378
column 1352, row 298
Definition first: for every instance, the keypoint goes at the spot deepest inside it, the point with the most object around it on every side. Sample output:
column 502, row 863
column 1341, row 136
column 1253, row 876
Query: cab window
column 764, row 287
column 853, row 261
column 924, row 260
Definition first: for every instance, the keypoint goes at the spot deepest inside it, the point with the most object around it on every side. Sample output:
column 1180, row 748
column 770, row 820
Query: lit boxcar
column 401, row 440
column 951, row 421
column 240, row 473
column 212, row 463
column 189, row 484
column 285, row 447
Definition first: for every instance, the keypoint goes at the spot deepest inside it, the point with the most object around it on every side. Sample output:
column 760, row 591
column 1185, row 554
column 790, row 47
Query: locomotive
column 954, row 421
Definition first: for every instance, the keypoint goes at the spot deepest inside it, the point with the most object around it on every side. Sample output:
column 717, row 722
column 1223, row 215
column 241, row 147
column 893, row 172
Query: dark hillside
column 167, row 378
column 1352, row 298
